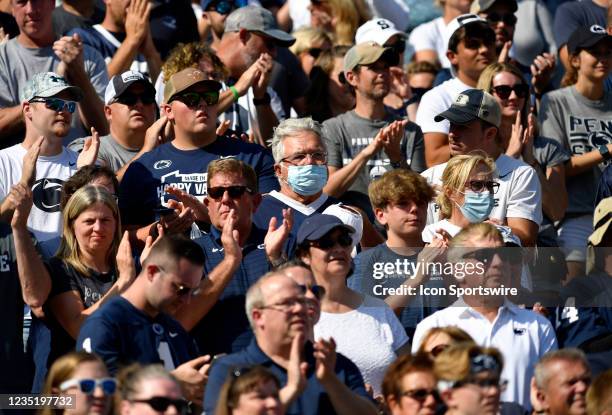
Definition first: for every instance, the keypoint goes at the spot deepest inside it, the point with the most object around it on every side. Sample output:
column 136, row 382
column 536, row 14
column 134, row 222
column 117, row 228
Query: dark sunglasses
column 314, row 52
column 225, row 7
column 480, row 185
column 485, row 255
column 508, row 18
column 88, row 386
column 193, row 99
column 477, row 43
column 57, row 104
column 128, row 98
column 398, row 47
column 183, row 290
column 327, row 242
column 161, row 404
column 504, row 91
column 317, row 290
column 421, row 394
column 233, row 191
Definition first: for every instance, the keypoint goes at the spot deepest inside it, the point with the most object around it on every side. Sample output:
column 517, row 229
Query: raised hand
column 69, row 50
column 325, row 356
column 515, row 144
column 89, row 154
column 393, row 138
column 137, row 22
column 20, row 201
column 149, row 242
column 157, row 134
column 180, row 221
column 28, row 172
column 399, row 82
column 193, row 376
column 276, row 237
column 125, row 263
column 230, row 238
column 542, row 69
column 528, row 137
column 296, row 372
column 504, row 55
column 264, row 69
column 199, row 209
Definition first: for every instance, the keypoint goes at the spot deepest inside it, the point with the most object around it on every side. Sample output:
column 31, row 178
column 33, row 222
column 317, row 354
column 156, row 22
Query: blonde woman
column 309, row 43
column 80, row 278
column 467, row 194
column 340, row 18
column 83, row 377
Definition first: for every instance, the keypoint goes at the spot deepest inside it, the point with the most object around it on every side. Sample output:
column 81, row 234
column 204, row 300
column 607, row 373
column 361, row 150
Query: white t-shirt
column 45, row 220
column 519, row 194
column 369, row 336
column 521, row 335
column 430, row 230
column 436, row 101
column 431, row 36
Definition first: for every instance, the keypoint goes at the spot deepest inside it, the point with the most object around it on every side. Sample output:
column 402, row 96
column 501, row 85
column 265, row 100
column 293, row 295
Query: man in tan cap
column 366, row 142
column 190, row 106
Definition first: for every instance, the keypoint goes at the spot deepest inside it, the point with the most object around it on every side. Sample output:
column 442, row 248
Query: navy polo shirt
column 313, row 401
column 121, row 334
column 225, row 328
column 145, row 181
column 273, row 207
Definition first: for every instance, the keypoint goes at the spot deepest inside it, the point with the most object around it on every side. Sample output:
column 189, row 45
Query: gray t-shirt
column 347, row 134
column 18, row 64
column 580, row 126
column 111, row 153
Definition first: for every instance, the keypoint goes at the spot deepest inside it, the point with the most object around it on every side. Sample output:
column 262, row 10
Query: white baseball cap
column 377, row 30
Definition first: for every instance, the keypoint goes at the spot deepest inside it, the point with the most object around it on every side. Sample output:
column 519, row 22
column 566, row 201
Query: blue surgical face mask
column 477, row 206
column 307, row 180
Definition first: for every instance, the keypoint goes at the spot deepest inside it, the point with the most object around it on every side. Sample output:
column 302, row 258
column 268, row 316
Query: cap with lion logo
column 470, row 105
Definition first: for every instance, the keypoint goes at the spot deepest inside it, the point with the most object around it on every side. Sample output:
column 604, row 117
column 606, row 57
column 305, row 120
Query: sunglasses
column 317, row 290
column 57, row 104
column 234, row 192
column 225, row 7
column 480, row 185
column 193, row 99
column 183, row 290
column 88, row 386
column 130, row 99
column 421, row 394
column 161, row 404
column 508, row 18
column 314, row 52
column 327, row 242
column 504, row 91
column 476, row 43
column 485, row 255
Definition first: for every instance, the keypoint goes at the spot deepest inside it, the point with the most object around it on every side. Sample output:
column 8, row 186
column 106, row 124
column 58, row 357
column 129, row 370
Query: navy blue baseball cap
column 317, row 225
column 586, row 37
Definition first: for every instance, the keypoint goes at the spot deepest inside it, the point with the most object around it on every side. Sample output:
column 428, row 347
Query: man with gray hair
column 560, row 382
column 327, row 382
column 300, row 164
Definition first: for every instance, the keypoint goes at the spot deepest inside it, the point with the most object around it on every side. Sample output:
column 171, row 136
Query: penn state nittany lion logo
column 47, row 194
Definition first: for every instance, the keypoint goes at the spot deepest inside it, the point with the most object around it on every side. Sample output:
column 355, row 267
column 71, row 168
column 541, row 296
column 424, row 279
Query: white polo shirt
column 436, row 101
column 521, row 335
column 519, row 194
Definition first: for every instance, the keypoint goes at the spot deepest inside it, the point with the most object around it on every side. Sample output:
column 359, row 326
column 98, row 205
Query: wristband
column 235, row 93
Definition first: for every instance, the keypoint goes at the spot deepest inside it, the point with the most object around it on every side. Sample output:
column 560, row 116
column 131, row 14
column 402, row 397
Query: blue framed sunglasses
column 57, row 104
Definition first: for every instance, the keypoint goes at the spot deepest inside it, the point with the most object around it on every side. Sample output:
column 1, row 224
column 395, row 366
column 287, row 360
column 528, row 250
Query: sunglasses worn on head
column 127, row 98
column 508, row 18
column 161, row 404
column 480, row 185
column 317, row 290
column 421, row 394
column 504, row 91
column 57, row 104
column 88, row 386
column 327, row 242
column 234, row 192
column 193, row 99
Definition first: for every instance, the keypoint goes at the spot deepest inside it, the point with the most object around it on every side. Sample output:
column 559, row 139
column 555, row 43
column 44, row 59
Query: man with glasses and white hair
column 490, row 318
column 277, row 310
column 190, row 106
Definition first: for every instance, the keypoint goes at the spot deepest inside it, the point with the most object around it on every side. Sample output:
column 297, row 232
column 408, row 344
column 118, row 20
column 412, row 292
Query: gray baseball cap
column 49, row 84
column 470, row 105
column 257, row 19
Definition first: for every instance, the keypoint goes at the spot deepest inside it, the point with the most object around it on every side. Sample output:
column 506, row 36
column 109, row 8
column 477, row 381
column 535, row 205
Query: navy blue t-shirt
column 369, row 271
column 225, row 328
column 272, row 207
column 121, row 334
column 314, row 400
column 144, row 183
column 574, row 14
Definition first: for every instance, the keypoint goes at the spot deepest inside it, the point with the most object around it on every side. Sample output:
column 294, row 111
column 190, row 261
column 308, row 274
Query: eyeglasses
column 225, row 7
column 504, row 91
column 480, row 185
column 234, row 192
column 88, row 386
column 327, row 242
column 484, row 383
column 438, row 349
column 398, row 47
column 317, row 290
column 287, row 305
column 161, row 404
column 508, row 18
column 130, row 99
column 193, row 99
column 57, row 104
column 485, row 255
column 421, row 394
column 318, row 157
